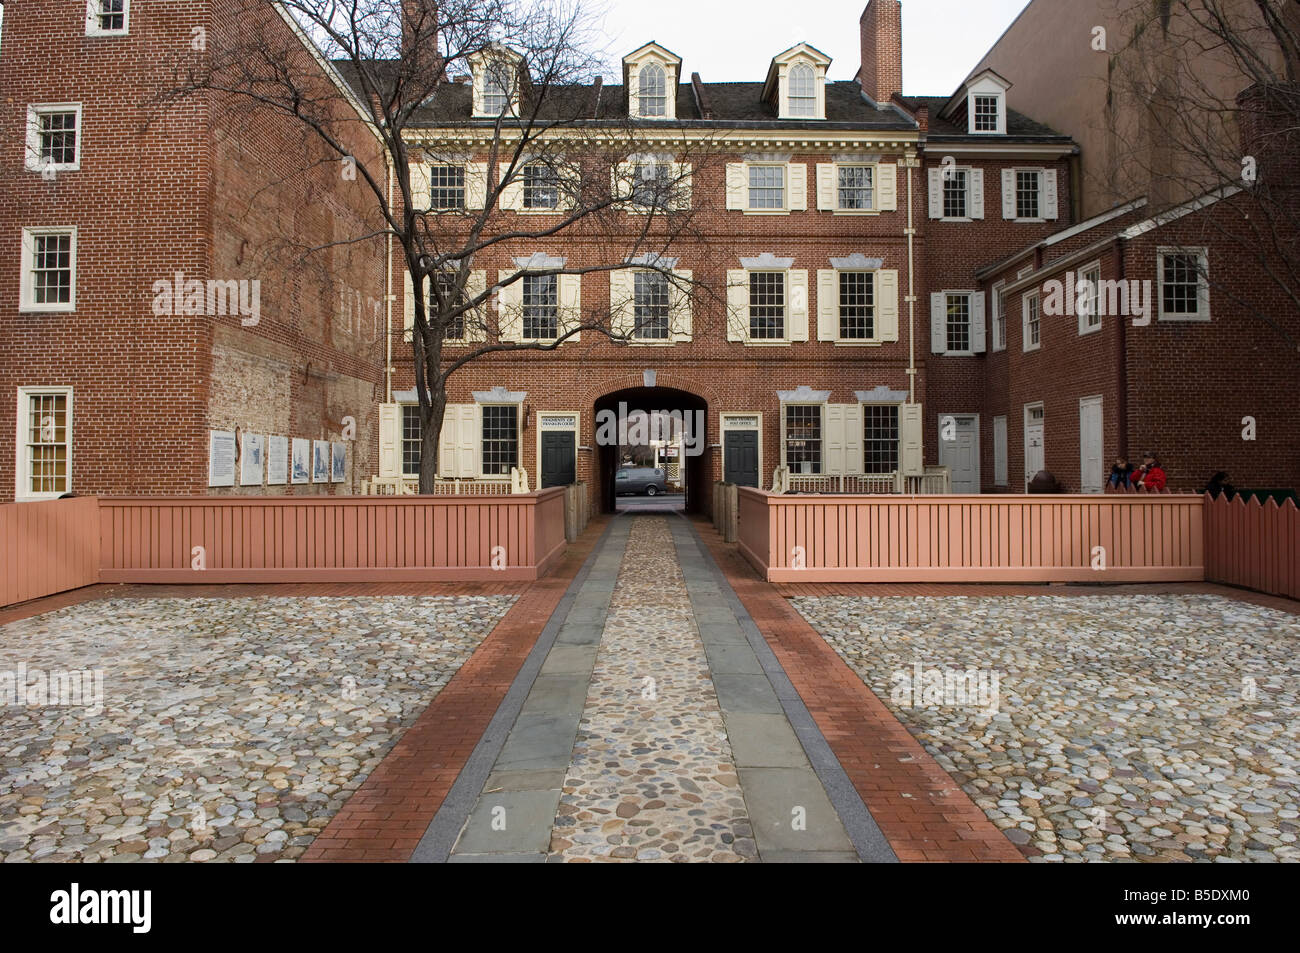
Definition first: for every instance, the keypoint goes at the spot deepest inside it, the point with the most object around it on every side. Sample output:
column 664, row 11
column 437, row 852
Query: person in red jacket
column 1151, row 475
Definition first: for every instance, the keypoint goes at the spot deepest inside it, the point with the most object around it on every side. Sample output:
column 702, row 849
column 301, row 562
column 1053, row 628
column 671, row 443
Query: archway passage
column 638, row 423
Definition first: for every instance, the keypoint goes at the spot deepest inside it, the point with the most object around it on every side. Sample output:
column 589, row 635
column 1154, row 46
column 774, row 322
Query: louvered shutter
column 936, row 193
column 827, row 187
column 1008, row 193
column 737, row 186
column 887, row 187
column 390, row 434
column 938, row 323
column 828, row 310
column 978, row 327
column 976, row 203
column 510, row 306
column 887, row 305
column 797, row 183
column 798, row 304
column 737, row 305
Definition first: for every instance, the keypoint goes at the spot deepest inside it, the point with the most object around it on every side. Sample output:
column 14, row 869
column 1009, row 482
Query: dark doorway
column 740, row 458
column 694, row 471
column 558, row 466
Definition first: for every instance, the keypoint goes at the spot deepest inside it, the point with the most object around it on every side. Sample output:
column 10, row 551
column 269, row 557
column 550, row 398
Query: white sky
column 730, row 41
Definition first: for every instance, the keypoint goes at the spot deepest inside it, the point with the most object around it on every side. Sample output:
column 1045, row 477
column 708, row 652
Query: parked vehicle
column 638, row 480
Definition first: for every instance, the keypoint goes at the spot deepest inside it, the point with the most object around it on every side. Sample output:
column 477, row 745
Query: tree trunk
column 430, row 436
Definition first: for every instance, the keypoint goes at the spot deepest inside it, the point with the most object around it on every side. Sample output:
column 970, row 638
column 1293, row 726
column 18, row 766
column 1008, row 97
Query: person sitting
column 1151, row 475
column 1044, row 482
column 1121, row 474
column 1219, row 486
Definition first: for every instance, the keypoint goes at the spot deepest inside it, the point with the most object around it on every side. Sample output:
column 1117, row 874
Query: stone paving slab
column 509, row 822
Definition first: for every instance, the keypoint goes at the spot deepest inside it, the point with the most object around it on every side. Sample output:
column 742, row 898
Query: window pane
column 541, row 188
column 52, row 269
column 47, row 443
column 959, row 323
column 803, row 91
column 411, row 439
column 496, row 90
column 653, row 93
column 855, row 186
column 767, row 305
column 446, row 186
column 986, row 114
column 857, row 305
column 112, row 14
column 500, row 440
column 651, row 306
column 1034, row 326
column 1089, row 306
column 446, row 285
column 766, row 186
column 58, row 136
column 803, row 438
column 954, row 194
column 880, row 438
column 1182, row 284
column 541, row 307
column 652, row 184
column 1027, row 194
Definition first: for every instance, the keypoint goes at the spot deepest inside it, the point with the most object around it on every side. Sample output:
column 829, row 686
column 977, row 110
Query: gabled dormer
column 499, row 76
column 983, row 99
column 650, row 77
column 796, row 83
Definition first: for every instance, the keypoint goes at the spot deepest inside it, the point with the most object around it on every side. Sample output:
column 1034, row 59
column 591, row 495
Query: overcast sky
column 725, row 40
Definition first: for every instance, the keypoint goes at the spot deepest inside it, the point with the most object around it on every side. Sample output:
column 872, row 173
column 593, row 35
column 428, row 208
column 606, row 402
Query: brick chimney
column 881, row 74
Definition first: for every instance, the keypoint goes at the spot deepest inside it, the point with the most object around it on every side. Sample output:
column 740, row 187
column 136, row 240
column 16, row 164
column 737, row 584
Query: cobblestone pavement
column 652, row 777
column 231, row 729
column 1150, row 728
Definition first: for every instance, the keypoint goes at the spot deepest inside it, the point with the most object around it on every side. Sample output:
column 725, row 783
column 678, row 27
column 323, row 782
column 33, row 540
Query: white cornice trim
column 804, row 395
column 499, row 395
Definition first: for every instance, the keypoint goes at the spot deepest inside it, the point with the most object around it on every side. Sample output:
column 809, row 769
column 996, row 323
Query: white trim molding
column 804, row 395
column 500, row 395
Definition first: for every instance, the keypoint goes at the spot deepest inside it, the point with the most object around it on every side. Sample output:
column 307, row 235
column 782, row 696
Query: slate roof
column 1019, row 126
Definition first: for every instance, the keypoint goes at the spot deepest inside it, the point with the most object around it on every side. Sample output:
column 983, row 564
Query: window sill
column 1030, row 350
column 855, row 212
column 60, row 168
column 1085, row 331
column 1030, row 221
column 956, row 221
column 864, row 343
column 750, row 343
column 38, row 497
column 1185, row 318
column 766, row 211
column 102, row 33
column 47, row 309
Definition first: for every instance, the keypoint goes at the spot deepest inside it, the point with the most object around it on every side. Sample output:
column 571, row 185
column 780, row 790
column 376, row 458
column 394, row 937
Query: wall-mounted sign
column 252, row 461
column 301, row 460
column 221, row 458
column 559, row 422
column 277, row 461
column 320, row 468
column 737, row 422
column 339, row 470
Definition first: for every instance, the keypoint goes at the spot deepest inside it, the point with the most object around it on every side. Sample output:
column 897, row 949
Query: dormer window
column 496, row 90
column 498, row 77
column 796, row 83
column 650, row 75
column 654, row 91
column 803, row 91
column 985, row 100
column 986, row 111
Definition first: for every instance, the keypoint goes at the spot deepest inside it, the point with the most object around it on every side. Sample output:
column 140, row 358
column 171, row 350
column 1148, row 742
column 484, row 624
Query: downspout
column 911, row 291
column 388, row 290
column 1121, row 359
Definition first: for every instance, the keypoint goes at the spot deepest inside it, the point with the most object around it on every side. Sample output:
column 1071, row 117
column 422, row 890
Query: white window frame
column 1000, row 127
column 785, row 188
column 640, row 91
column 1202, row 279
column 22, row 466
column 998, row 320
column 898, row 441
column 480, row 442
column 34, row 160
column 821, row 437
column 401, row 440
column 26, row 302
column 790, row 99
column 875, row 337
column 970, row 323
column 93, row 10
column 1025, row 299
column 1089, row 320
column 875, row 188
column 523, row 305
column 785, row 305
column 1015, row 178
column 968, row 171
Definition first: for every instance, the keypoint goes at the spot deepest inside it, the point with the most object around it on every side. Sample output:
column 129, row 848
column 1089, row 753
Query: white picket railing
column 410, row 486
column 937, row 481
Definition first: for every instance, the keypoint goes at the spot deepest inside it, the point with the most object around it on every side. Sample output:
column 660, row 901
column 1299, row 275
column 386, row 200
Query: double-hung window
column 652, row 185
column 955, row 194
column 1088, row 299
column 446, row 186
column 1033, row 323
column 880, row 436
column 803, row 438
column 766, row 187
column 651, row 306
column 107, row 17
column 49, row 269
column 855, row 188
column 500, row 439
column 496, row 89
column 1183, row 277
column 767, row 305
column 857, row 301
column 803, row 92
column 541, row 307
column 446, row 285
column 411, row 442
column 959, row 331
column 541, row 187
column 1029, row 184
column 999, row 318
column 986, row 115
column 45, row 435
column 54, row 137
column 652, row 91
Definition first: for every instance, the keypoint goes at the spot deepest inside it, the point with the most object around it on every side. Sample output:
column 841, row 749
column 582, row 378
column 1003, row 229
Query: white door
column 999, row 451
column 959, row 450
column 1092, row 478
column 1035, row 460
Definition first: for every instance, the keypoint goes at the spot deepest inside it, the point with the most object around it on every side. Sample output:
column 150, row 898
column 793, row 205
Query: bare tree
column 1205, row 101
column 456, row 160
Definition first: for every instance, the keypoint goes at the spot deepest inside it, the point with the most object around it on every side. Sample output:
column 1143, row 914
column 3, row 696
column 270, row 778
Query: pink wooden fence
column 47, row 547
column 1254, row 546
column 1122, row 538
column 331, row 539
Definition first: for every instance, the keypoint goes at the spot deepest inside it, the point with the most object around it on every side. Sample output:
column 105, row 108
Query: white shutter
column 887, row 305
column 512, row 192
column 797, row 183
column 978, row 328
column 853, row 438
column 467, row 441
column 834, row 463
column 737, row 305
column 798, row 309
column 887, row 187
column 936, row 193
column 420, row 186
column 976, row 198
column 683, row 186
column 570, row 304
column 510, row 308
column 449, row 443
column 828, row 304
column 475, row 325
column 1048, row 200
column 408, row 308
column 737, row 186
column 622, row 287
column 911, row 448
column 476, row 185
column 622, row 181
column 827, row 187
column 680, row 320
column 938, row 323
column 390, row 434
column 1008, row 193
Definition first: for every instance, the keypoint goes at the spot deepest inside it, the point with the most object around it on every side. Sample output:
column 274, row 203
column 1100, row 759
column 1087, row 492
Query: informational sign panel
column 340, row 470
column 221, row 458
column 301, row 460
column 277, row 461
column 252, row 461
column 320, row 470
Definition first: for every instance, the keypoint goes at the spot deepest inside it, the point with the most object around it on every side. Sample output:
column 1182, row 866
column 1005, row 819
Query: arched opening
column 645, row 429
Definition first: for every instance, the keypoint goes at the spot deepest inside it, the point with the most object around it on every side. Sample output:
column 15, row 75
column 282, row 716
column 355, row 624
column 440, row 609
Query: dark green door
column 557, row 458
column 740, row 458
